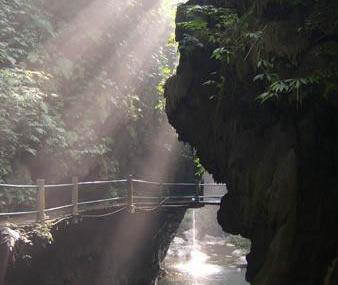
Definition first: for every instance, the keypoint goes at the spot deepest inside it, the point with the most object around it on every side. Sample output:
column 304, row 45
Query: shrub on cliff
column 276, row 44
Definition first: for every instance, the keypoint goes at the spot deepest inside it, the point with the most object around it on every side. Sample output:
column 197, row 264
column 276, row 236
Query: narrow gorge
column 114, row 113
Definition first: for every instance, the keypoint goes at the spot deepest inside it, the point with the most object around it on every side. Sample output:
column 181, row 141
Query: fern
column 290, row 87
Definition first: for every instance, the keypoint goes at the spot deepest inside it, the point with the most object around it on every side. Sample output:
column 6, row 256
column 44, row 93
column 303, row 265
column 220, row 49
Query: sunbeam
column 112, row 114
column 93, row 35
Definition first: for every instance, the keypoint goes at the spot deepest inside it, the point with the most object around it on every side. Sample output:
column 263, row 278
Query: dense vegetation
column 274, row 43
column 80, row 89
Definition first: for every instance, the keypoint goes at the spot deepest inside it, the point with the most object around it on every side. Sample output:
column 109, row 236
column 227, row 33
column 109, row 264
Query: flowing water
column 201, row 254
column 203, row 259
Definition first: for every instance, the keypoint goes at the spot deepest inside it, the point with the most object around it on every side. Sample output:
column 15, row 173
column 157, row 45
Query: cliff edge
column 255, row 93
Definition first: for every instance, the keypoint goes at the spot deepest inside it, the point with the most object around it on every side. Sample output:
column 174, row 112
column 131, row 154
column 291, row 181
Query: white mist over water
column 194, row 229
column 196, row 259
column 197, row 265
column 201, row 254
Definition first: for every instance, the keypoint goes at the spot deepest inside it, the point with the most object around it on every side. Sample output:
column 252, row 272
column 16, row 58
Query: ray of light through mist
column 101, row 35
column 101, row 59
column 99, row 42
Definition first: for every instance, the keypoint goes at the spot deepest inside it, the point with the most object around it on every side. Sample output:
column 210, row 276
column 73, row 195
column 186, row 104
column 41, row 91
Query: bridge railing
column 131, row 200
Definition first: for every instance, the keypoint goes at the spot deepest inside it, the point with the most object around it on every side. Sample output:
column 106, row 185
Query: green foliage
column 27, row 119
column 166, row 72
column 92, row 112
column 199, row 169
column 214, row 16
column 287, row 87
column 244, row 44
column 11, row 199
column 25, row 116
column 23, row 27
column 168, row 59
column 195, row 25
column 222, row 54
column 204, row 24
column 43, row 232
column 294, row 88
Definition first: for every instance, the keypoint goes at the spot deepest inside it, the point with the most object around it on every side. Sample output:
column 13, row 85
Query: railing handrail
column 112, row 181
column 170, row 200
column 18, row 186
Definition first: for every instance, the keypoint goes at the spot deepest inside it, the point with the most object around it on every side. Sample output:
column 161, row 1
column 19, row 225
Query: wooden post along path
column 197, row 191
column 130, row 197
column 40, row 200
column 75, row 195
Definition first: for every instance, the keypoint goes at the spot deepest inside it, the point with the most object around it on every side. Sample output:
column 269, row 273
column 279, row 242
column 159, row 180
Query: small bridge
column 134, row 195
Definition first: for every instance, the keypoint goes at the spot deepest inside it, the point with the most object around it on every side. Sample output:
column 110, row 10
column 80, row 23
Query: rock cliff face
column 121, row 249
column 280, row 158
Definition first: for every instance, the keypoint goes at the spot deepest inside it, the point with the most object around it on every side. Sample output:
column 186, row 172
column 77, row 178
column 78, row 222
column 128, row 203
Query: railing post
column 75, row 196
column 40, row 200
column 197, row 191
column 161, row 190
column 130, row 198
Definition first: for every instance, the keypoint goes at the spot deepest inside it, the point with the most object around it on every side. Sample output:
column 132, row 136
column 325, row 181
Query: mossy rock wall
column 279, row 158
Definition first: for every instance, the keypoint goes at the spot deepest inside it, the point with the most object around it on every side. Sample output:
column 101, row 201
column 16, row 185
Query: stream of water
column 195, row 259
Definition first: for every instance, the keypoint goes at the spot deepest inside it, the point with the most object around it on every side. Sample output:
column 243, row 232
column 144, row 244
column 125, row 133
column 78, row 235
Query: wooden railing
column 130, row 201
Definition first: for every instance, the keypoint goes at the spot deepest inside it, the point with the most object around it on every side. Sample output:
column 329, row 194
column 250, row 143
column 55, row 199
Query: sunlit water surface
column 206, row 261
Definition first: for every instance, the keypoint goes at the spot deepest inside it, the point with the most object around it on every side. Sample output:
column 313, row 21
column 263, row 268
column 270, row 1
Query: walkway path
column 137, row 195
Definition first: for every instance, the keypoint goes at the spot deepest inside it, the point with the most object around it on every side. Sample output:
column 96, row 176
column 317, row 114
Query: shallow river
column 204, row 260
